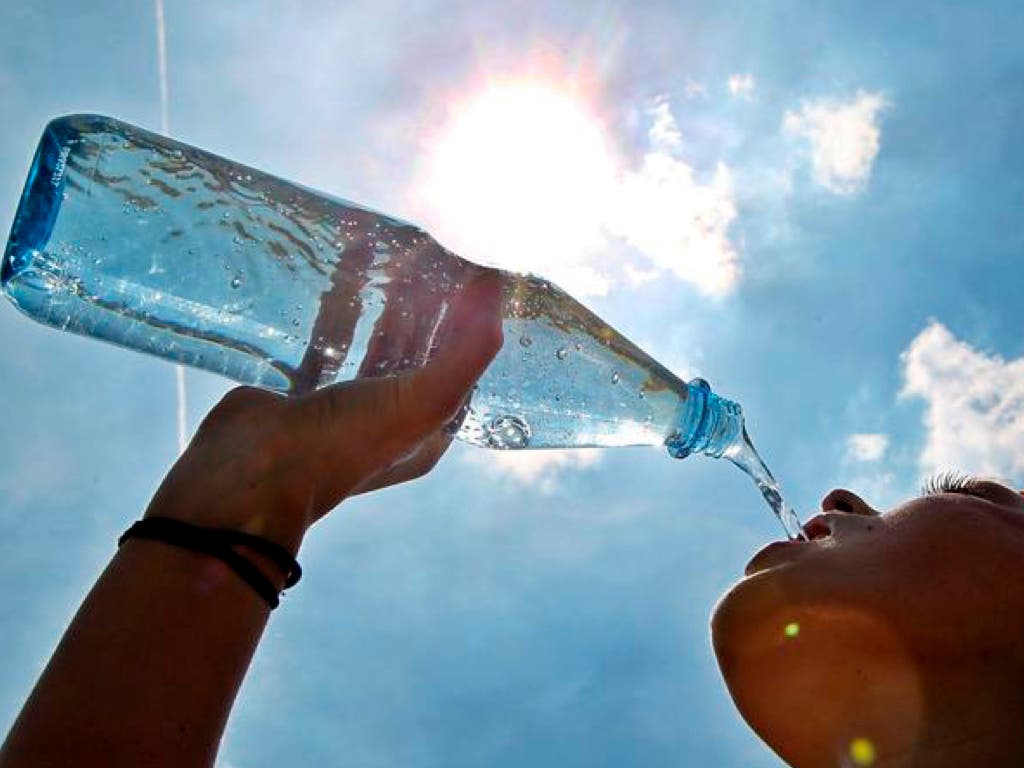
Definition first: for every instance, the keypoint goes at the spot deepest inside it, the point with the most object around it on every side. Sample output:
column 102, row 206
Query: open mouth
column 777, row 553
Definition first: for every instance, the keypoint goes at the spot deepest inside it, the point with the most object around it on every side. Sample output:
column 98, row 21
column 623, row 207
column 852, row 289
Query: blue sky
column 858, row 172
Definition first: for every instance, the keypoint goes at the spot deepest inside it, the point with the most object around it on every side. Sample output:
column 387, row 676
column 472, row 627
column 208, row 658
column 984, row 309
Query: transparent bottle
column 139, row 240
column 133, row 238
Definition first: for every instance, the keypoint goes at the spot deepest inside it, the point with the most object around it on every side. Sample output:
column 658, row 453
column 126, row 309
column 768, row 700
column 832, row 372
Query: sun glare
column 520, row 178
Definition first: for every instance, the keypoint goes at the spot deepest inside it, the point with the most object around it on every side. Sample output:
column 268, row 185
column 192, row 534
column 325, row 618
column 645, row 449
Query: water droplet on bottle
column 578, row 346
column 508, row 433
column 236, row 281
column 562, row 353
column 296, row 322
column 641, row 394
column 525, row 341
column 615, row 377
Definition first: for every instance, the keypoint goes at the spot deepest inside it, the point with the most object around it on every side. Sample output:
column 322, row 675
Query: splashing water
column 743, row 454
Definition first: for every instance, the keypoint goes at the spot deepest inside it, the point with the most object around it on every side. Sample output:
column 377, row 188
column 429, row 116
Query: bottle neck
column 707, row 423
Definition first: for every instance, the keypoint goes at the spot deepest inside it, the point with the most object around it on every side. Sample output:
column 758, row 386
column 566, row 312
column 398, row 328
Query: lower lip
column 776, row 553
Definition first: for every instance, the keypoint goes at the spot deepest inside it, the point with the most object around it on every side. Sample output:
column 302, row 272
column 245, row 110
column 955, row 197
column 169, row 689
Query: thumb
column 359, row 427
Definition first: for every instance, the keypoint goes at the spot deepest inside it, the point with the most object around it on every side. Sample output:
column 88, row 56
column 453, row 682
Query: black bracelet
column 218, row 542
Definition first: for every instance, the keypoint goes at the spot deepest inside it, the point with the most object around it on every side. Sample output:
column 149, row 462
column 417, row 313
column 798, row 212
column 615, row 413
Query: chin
column 815, row 680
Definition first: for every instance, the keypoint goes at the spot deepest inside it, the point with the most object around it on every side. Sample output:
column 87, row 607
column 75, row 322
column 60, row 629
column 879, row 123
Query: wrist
column 265, row 566
column 281, row 524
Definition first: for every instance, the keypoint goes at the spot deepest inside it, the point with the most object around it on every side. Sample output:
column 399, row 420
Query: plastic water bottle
column 133, row 238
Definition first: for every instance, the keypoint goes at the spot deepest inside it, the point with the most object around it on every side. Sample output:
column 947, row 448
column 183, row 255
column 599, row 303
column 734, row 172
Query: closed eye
column 950, row 482
column 969, row 485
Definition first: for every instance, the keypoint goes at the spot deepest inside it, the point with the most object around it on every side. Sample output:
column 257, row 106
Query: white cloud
column 974, row 412
column 742, row 85
column 637, row 276
column 539, row 469
column 664, row 134
column 695, row 90
column 678, row 223
column 844, row 138
column 524, row 179
column 866, row 446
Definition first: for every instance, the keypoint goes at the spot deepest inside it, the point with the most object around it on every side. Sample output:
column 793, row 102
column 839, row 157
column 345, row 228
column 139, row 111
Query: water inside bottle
column 743, row 454
column 129, row 237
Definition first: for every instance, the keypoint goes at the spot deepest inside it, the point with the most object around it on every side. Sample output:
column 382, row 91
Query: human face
column 886, row 636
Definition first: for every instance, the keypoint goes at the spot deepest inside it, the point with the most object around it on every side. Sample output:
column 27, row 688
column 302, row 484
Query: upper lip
column 821, row 526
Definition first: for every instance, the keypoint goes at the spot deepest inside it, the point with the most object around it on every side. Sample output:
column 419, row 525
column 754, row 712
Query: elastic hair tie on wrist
column 218, row 543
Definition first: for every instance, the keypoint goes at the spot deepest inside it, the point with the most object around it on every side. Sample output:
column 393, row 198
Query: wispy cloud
column 540, row 470
column 678, row 223
column 664, row 134
column 695, row 90
column 974, row 413
column 866, row 447
column 742, row 85
column 844, row 138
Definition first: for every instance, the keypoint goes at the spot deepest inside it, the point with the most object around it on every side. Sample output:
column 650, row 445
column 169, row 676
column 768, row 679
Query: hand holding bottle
column 272, row 466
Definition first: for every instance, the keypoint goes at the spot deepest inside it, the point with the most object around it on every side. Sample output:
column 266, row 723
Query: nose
column 842, row 500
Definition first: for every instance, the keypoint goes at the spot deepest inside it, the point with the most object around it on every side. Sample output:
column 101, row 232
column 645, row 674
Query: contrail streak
column 161, row 61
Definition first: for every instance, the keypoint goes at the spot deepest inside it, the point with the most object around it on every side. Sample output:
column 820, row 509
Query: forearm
column 148, row 669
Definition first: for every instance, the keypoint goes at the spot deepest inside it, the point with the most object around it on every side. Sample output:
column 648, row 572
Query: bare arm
column 149, row 668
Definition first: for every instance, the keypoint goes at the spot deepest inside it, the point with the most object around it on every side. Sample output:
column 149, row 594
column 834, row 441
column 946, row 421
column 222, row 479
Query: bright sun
column 520, row 178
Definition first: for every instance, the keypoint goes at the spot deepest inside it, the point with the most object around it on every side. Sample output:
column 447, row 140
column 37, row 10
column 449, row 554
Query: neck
column 973, row 717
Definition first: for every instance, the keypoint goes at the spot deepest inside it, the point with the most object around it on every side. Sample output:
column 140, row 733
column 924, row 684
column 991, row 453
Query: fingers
column 354, row 431
column 416, row 465
column 402, row 333
column 468, row 340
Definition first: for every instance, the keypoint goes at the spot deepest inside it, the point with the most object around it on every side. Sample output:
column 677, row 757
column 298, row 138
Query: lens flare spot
column 862, row 751
column 792, row 629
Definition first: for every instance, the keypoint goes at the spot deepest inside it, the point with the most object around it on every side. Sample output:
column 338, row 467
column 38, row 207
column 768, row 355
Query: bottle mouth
column 40, row 200
column 708, row 424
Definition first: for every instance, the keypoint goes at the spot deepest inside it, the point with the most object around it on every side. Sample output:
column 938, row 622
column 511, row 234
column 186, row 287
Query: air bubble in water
column 615, row 377
column 236, row 281
column 562, row 353
column 525, row 341
column 508, row 433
